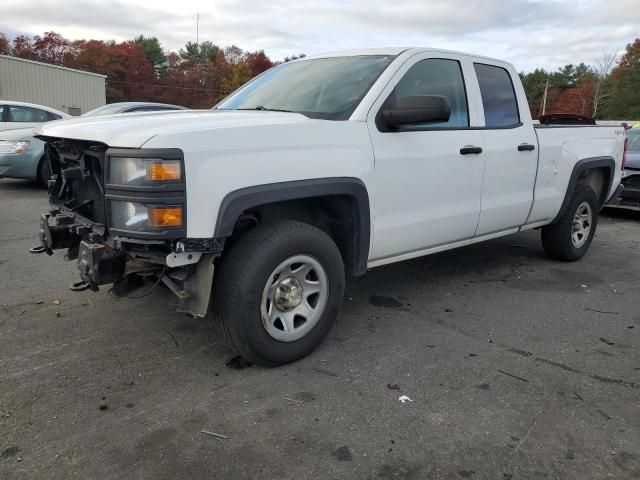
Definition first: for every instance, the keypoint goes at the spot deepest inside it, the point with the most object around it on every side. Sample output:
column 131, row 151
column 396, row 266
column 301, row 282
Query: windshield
column 326, row 88
column 634, row 141
column 104, row 110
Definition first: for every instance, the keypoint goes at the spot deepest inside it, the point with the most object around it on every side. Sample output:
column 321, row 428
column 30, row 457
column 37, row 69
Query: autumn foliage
column 609, row 89
column 140, row 70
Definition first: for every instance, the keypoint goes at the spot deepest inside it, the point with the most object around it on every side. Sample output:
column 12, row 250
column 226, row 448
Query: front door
column 428, row 177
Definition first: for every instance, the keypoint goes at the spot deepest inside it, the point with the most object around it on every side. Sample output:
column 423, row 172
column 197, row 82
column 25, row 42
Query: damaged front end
column 121, row 213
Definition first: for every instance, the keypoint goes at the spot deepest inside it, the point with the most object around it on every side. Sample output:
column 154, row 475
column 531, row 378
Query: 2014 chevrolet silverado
column 317, row 168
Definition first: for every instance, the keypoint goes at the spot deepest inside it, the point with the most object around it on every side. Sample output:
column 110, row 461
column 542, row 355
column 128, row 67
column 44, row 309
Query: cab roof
column 394, row 51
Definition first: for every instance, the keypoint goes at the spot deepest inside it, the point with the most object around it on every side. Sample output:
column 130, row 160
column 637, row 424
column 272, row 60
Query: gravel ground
column 516, row 367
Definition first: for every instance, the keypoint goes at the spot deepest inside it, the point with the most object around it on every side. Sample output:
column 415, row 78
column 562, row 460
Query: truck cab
column 253, row 212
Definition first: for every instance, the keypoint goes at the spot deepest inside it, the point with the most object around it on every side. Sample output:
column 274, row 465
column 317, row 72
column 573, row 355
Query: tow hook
column 80, row 286
column 98, row 264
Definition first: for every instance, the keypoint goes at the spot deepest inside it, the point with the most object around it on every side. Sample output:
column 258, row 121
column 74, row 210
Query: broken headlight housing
column 145, row 192
column 128, row 171
column 147, row 218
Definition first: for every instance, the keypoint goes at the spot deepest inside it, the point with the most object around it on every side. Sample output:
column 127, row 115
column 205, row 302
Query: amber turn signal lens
column 163, row 171
column 165, row 217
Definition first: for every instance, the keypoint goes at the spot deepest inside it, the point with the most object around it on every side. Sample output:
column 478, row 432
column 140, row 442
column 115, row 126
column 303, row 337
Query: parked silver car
column 16, row 115
column 23, row 156
column 631, row 180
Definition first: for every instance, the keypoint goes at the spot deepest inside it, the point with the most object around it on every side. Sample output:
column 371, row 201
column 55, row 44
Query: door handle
column 466, row 150
column 526, row 147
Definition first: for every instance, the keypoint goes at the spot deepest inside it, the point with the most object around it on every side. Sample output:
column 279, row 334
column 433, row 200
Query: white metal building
column 72, row 91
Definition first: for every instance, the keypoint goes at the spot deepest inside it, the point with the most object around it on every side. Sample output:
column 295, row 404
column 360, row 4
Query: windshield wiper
column 265, row 109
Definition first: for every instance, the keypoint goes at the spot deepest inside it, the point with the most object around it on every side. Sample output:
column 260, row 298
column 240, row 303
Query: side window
column 498, row 96
column 52, row 116
column 437, row 76
column 26, row 114
column 3, row 113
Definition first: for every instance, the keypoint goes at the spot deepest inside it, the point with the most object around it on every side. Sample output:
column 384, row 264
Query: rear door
column 510, row 147
column 428, row 177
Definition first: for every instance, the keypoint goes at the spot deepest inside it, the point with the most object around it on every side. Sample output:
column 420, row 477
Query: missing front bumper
column 188, row 274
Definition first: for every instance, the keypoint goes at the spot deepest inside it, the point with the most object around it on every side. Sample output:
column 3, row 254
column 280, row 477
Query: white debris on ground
column 404, row 399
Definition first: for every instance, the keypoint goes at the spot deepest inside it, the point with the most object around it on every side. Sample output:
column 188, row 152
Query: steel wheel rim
column 294, row 298
column 582, row 221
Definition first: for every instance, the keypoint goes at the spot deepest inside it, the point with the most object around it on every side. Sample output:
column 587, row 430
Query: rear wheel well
column 336, row 215
column 596, row 178
column 595, row 173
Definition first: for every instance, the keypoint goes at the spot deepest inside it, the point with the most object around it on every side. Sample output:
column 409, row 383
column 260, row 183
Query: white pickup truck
column 320, row 167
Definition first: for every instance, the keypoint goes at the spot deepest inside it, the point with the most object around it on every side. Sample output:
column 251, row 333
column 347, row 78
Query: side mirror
column 418, row 109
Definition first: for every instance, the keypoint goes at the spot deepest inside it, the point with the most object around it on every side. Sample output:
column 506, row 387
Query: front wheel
column 570, row 237
column 279, row 290
column 44, row 172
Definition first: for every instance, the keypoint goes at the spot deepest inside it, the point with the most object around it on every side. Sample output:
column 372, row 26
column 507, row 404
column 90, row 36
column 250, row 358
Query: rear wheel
column 278, row 292
column 570, row 237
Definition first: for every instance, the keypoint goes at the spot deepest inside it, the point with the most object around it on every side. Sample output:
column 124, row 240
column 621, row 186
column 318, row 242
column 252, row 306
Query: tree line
column 197, row 76
column 201, row 74
column 608, row 89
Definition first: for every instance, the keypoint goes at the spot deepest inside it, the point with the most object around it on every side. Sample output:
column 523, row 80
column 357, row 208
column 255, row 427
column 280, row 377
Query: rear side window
column 437, row 76
column 498, row 96
column 26, row 114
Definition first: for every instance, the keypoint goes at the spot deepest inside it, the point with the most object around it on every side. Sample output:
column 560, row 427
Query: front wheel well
column 337, row 215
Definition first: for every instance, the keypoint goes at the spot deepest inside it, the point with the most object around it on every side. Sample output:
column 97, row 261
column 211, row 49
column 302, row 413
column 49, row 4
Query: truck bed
column 560, row 146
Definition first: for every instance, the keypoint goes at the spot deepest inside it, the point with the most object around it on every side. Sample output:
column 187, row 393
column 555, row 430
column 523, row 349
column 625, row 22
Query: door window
column 498, row 96
column 26, row 114
column 437, row 76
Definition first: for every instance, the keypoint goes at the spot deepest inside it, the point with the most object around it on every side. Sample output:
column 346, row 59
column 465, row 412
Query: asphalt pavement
column 516, row 367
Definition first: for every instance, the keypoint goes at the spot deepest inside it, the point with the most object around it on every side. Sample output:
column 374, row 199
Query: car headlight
column 9, row 146
column 145, row 218
column 127, row 171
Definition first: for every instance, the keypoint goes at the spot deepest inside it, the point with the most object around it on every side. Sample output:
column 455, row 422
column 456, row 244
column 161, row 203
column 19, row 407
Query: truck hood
column 132, row 130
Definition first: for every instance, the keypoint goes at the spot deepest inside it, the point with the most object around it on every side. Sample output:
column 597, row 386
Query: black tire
column 243, row 274
column 557, row 238
column 44, row 172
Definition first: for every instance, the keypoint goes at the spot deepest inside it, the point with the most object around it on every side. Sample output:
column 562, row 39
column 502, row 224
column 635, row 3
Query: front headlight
column 9, row 146
column 145, row 218
column 127, row 171
column 145, row 191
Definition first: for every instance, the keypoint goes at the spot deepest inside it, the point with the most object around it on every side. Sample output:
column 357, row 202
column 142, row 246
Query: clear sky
column 529, row 33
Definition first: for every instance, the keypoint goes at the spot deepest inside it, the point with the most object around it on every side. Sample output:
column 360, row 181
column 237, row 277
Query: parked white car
column 14, row 115
column 322, row 166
